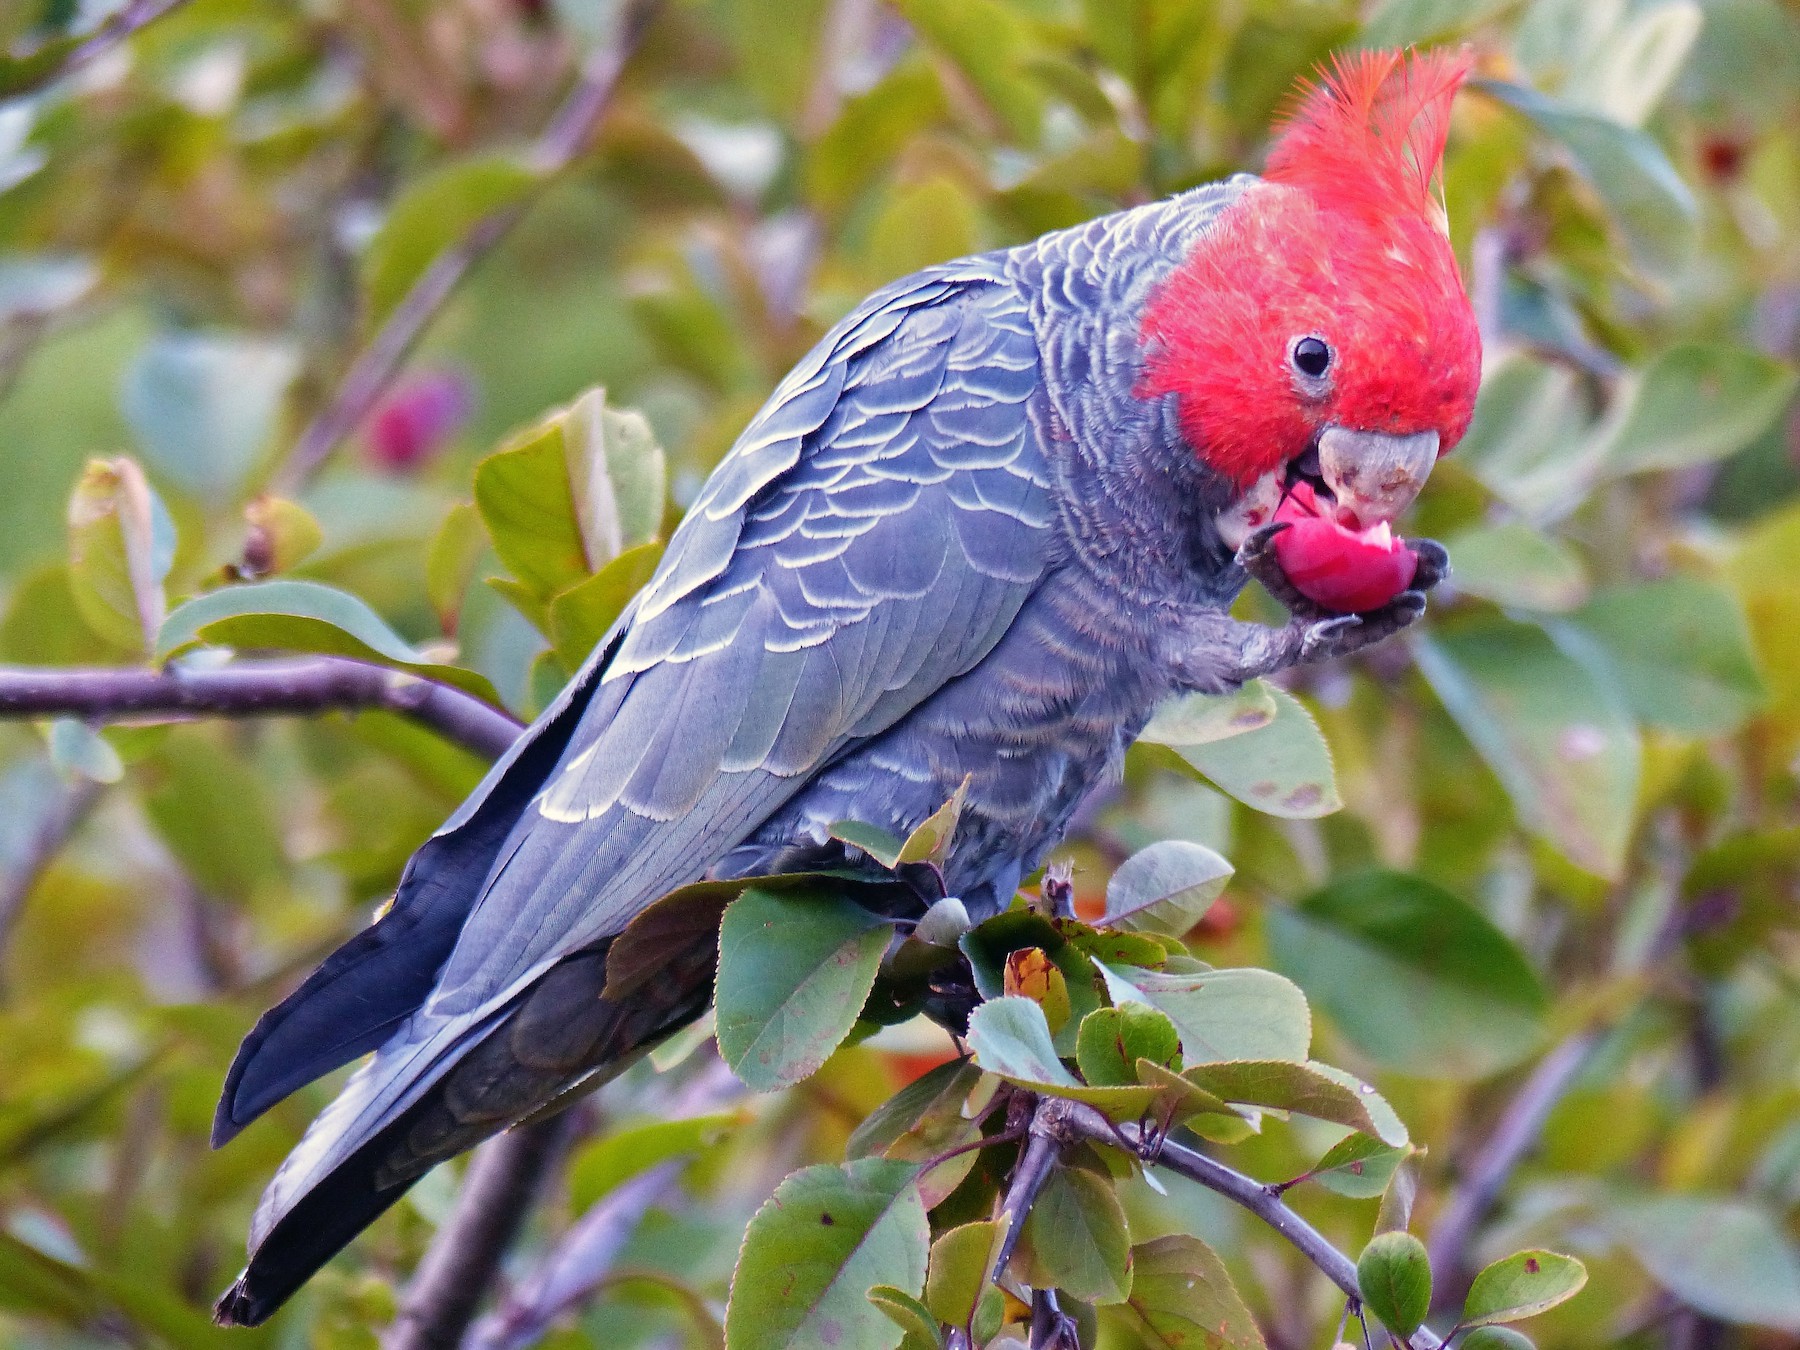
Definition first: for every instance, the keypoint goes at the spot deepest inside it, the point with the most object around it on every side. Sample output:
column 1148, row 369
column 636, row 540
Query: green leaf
column 451, row 560
column 906, row 1312
column 1728, row 1258
column 121, row 547
column 1313, row 1089
column 203, row 407
column 582, row 615
column 930, row 839
column 1078, row 1238
column 1679, row 651
column 304, row 616
column 614, row 1158
column 1394, row 1274
column 1418, row 979
column 1201, row 719
column 1166, row 888
column 1358, row 1167
column 570, row 494
column 1629, row 170
column 1283, row 769
column 1559, row 740
column 961, row 1261
column 1011, row 1038
column 1229, row 1014
column 432, row 213
column 883, row 847
column 794, row 971
column 1113, row 1040
column 1695, row 404
column 921, row 1121
column 1522, row 1285
column 1182, row 1298
column 1496, row 1338
column 1516, row 566
column 816, row 1247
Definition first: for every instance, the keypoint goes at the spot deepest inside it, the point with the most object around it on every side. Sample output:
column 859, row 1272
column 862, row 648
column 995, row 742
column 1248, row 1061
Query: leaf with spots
column 1183, row 1299
column 1282, row 769
column 1522, row 1285
column 815, row 1249
column 794, row 971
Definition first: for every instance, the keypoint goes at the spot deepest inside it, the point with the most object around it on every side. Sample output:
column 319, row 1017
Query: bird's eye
column 1311, row 357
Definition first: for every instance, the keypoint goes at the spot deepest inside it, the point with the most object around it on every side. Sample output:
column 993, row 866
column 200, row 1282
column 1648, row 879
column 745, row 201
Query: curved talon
column 1256, row 555
column 1434, row 563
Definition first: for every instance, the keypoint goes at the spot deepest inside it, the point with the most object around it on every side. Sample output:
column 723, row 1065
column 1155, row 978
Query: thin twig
column 568, row 131
column 1043, row 1142
column 1259, row 1199
column 579, row 1265
column 503, row 1183
column 584, row 1259
column 1513, row 1136
column 131, row 17
column 254, row 689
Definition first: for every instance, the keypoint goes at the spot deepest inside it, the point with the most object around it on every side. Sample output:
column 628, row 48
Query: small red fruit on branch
column 1343, row 569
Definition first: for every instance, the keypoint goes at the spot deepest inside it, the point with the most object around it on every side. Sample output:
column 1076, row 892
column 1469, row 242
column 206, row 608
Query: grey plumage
column 953, row 544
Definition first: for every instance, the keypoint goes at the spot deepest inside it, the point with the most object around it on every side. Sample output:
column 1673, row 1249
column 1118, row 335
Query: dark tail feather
column 560, row 1035
column 363, row 992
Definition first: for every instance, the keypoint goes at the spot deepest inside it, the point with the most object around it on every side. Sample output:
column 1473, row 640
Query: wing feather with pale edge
column 871, row 537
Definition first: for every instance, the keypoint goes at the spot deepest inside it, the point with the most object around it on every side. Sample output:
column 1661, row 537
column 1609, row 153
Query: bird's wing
column 871, row 537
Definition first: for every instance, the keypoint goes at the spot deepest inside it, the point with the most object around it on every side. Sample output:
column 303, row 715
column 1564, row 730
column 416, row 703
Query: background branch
column 255, row 689
column 1514, row 1135
column 563, row 138
column 504, row 1180
column 61, row 61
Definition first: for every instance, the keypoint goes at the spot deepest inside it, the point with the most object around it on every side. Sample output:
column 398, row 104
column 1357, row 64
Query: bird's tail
column 559, row 1038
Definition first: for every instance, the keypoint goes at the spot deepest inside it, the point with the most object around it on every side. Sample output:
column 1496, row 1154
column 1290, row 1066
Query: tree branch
column 502, row 1184
column 583, row 1259
column 1514, row 1134
column 1262, row 1201
column 61, row 60
column 254, row 689
column 562, row 139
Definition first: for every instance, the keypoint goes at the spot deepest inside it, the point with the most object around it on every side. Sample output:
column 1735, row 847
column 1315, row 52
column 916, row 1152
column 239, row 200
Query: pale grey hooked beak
column 1373, row 475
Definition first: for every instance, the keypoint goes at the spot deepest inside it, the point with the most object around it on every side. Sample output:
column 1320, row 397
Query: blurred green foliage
column 1568, row 804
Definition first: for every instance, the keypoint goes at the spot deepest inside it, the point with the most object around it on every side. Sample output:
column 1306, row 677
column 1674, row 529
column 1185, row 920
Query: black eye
column 1311, row 357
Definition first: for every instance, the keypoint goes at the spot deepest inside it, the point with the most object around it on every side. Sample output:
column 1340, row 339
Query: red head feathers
column 1327, row 293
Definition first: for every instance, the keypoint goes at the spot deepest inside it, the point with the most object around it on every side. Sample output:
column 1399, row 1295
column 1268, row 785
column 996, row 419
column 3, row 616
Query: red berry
column 418, row 418
column 1345, row 570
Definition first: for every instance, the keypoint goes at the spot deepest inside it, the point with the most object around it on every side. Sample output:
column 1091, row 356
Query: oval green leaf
column 1283, row 769
column 1078, row 1239
column 1182, row 1298
column 815, row 1249
column 1165, row 888
column 1394, row 1274
column 305, row 616
column 794, row 972
column 1227, row 1014
column 1522, row 1285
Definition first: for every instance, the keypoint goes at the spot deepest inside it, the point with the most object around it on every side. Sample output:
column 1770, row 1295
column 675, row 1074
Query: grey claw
column 1434, row 563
